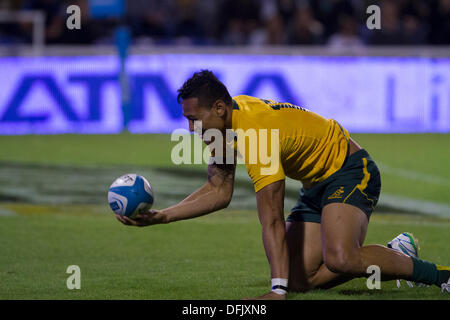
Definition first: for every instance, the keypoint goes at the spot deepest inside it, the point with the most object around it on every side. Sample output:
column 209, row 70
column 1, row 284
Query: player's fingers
column 144, row 219
column 120, row 219
column 130, row 222
column 139, row 218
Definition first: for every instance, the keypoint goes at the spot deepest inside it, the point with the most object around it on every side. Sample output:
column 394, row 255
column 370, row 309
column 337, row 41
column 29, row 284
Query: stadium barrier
column 77, row 89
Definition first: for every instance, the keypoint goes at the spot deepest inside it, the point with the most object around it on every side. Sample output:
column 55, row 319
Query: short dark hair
column 205, row 86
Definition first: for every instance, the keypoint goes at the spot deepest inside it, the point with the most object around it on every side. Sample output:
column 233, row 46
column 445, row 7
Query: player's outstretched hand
column 268, row 296
column 143, row 219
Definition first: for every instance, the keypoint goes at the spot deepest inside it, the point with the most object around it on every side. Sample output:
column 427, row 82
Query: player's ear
column 219, row 108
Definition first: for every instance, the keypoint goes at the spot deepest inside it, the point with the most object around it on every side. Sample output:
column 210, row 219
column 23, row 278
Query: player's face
column 211, row 118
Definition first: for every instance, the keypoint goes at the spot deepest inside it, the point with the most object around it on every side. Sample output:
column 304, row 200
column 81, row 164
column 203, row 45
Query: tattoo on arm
column 219, row 174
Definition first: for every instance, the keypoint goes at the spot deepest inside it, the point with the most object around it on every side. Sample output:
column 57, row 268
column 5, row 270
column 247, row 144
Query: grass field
column 53, row 213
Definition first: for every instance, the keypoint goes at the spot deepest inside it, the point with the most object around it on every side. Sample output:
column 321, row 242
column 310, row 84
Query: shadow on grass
column 367, row 292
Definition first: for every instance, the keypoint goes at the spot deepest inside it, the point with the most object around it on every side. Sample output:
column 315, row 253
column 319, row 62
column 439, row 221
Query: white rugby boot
column 407, row 244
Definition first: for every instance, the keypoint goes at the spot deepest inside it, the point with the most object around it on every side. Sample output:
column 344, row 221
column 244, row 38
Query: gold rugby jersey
column 280, row 139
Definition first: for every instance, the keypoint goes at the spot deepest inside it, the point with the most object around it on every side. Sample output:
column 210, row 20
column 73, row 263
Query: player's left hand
column 268, row 296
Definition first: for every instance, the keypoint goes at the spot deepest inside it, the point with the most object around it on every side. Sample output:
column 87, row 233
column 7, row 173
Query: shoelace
column 445, row 286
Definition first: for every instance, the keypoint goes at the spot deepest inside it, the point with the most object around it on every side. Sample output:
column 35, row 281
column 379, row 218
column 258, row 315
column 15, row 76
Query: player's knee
column 340, row 260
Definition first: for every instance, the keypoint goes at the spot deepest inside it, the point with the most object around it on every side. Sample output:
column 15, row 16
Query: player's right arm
column 214, row 195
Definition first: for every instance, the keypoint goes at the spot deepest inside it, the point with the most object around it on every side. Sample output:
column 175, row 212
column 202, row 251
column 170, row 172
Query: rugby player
column 321, row 243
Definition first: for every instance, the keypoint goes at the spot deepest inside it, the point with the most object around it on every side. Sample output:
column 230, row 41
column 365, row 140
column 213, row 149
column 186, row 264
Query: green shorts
column 357, row 183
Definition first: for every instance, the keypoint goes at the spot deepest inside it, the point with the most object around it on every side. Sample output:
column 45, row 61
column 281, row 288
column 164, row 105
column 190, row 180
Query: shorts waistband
column 349, row 160
column 355, row 156
column 359, row 154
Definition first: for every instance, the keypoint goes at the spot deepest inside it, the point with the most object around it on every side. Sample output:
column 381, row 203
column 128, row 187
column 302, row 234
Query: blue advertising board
column 48, row 95
column 99, row 9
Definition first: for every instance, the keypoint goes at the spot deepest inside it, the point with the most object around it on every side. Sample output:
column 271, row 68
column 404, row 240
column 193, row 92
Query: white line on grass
column 414, row 175
column 6, row 213
column 393, row 201
column 413, row 205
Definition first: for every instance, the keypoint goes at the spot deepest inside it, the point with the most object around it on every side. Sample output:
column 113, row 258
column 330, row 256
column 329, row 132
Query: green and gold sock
column 429, row 273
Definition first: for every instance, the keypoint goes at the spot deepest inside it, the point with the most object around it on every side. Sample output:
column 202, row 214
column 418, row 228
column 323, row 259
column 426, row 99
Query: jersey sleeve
column 262, row 176
column 251, row 124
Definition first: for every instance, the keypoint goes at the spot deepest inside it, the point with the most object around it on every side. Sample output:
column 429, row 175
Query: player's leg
column 344, row 252
column 307, row 270
column 305, row 253
column 347, row 199
column 342, row 226
column 343, row 231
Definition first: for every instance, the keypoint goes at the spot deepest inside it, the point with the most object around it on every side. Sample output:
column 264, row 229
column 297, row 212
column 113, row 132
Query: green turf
column 88, row 149
column 418, row 164
column 53, row 214
column 425, row 155
column 219, row 256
